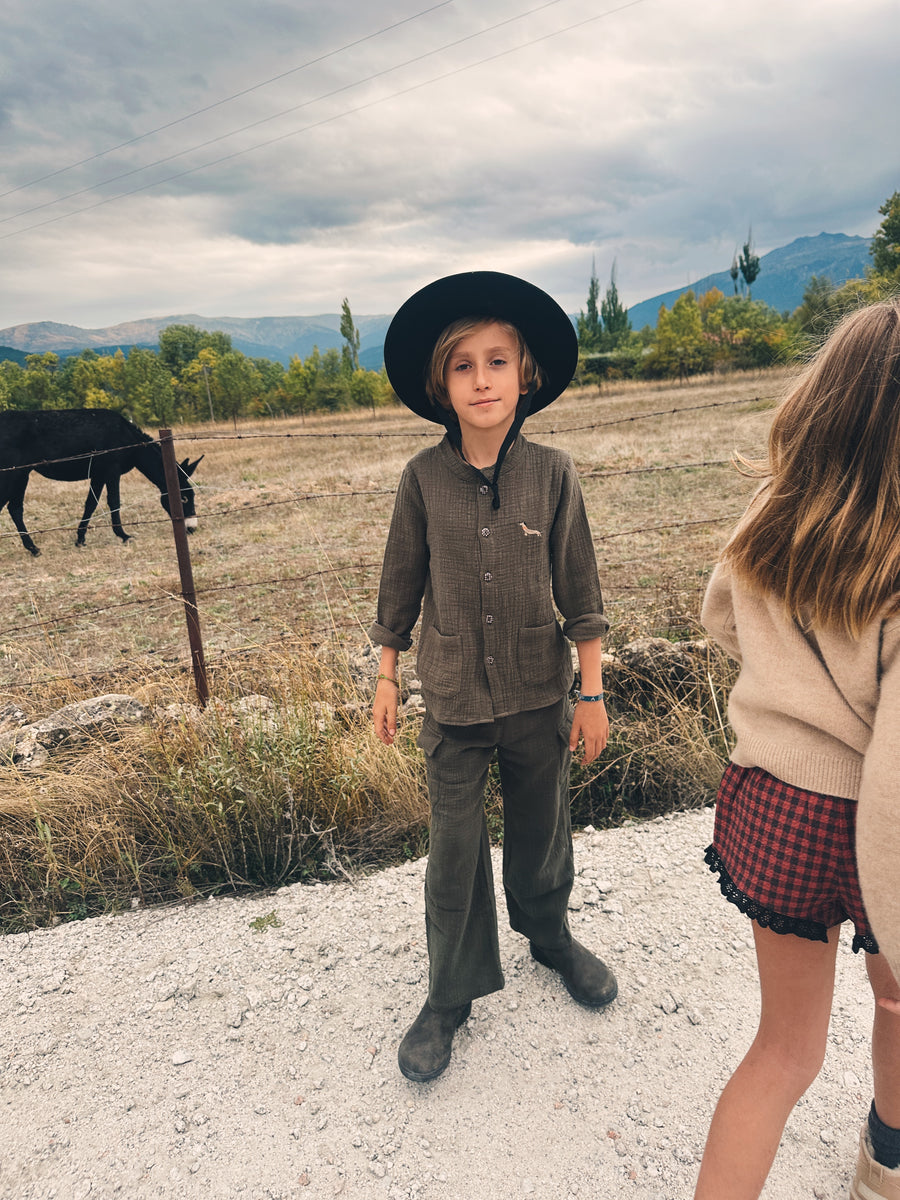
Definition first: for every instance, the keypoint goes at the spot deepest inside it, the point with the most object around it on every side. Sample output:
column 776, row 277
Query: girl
column 807, row 600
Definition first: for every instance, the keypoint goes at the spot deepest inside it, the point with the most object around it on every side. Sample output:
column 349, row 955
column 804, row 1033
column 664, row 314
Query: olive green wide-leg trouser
column 538, row 870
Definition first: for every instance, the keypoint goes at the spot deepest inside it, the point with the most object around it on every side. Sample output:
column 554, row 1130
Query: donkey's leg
column 114, row 502
column 14, row 497
column 93, row 499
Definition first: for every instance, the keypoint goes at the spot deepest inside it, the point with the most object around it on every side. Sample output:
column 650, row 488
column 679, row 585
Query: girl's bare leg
column 885, row 1042
column 796, row 984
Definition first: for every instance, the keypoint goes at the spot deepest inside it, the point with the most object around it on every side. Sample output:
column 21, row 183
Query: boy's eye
column 498, row 362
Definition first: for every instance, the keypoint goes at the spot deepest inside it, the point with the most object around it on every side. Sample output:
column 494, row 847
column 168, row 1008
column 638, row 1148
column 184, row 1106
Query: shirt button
column 490, row 660
column 489, row 620
column 485, row 533
column 488, row 577
column 483, row 489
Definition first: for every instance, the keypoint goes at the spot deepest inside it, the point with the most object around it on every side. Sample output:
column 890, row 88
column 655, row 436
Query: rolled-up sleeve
column 576, row 583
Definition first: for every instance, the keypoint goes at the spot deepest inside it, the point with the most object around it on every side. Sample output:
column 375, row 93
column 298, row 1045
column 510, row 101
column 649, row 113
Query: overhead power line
column 255, row 87
column 272, row 117
column 324, row 120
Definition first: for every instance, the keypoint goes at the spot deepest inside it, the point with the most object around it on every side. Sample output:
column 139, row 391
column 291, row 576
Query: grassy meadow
column 292, row 520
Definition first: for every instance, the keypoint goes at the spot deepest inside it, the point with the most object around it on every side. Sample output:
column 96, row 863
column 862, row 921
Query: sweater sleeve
column 404, row 569
column 717, row 612
column 576, row 583
column 878, row 813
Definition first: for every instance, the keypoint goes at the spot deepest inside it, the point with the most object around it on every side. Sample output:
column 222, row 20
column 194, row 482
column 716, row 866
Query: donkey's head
column 185, row 470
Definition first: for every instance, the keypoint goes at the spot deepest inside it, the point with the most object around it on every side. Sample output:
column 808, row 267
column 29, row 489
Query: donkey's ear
column 190, row 467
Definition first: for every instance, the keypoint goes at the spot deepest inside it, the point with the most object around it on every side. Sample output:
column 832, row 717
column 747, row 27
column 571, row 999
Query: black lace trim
column 813, row 931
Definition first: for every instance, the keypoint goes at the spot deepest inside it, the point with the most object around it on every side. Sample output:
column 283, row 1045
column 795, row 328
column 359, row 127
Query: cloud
column 654, row 136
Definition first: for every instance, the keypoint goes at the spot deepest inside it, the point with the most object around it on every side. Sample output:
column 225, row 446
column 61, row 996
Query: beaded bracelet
column 390, row 679
column 588, row 699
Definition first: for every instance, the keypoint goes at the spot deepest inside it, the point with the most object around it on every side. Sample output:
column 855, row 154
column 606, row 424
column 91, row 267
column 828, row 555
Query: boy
column 484, row 560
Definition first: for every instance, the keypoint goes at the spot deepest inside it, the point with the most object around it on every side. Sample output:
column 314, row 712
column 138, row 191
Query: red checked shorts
column 786, row 857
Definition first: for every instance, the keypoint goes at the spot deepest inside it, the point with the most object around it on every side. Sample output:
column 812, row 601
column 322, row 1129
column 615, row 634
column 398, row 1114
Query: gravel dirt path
column 247, row 1048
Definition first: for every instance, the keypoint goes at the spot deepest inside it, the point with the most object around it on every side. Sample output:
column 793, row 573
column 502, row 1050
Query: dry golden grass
column 230, row 800
column 286, row 564
column 270, row 562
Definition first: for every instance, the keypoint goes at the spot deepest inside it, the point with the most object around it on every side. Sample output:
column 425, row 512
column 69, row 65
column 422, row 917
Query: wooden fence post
column 188, row 595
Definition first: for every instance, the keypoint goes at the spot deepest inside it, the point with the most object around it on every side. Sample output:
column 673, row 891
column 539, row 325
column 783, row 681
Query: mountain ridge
column 784, row 273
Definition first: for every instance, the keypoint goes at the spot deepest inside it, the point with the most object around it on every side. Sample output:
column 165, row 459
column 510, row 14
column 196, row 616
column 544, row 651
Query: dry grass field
column 293, row 517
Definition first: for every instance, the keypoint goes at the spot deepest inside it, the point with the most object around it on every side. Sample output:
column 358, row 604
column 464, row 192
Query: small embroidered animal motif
column 529, row 532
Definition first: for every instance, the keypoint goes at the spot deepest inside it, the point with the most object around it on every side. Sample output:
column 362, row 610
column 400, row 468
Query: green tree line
column 718, row 332
column 197, row 376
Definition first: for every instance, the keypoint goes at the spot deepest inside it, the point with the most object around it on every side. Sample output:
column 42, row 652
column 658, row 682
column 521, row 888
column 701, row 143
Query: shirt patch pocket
column 539, row 651
column 440, row 662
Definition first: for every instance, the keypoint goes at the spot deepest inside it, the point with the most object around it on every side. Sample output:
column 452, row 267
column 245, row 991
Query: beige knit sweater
column 822, row 712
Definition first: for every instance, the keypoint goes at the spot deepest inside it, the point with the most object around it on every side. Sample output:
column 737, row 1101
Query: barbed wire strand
column 377, row 434
column 181, row 662
column 201, row 590
column 309, row 497
column 167, row 595
column 41, row 626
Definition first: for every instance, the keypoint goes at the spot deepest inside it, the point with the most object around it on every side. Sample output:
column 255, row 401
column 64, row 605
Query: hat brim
column 418, row 323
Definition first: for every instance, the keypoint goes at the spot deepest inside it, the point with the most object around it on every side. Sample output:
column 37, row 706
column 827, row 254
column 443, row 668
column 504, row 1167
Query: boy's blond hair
column 530, row 378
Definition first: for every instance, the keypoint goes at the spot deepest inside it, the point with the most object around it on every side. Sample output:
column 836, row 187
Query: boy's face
column 482, row 380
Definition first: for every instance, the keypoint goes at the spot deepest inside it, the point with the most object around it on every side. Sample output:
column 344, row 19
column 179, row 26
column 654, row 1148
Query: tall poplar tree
column 885, row 248
column 749, row 263
column 350, row 334
column 614, row 315
column 589, row 327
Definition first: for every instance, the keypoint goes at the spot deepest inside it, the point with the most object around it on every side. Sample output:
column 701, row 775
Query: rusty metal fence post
column 188, row 595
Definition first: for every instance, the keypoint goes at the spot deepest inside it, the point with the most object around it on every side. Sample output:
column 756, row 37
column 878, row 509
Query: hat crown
column 419, row 322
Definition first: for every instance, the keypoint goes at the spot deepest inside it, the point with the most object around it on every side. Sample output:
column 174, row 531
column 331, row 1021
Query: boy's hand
column 384, row 711
column 590, row 725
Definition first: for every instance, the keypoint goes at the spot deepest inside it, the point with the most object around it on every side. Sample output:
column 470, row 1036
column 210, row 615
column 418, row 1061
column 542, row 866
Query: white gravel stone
column 290, row 1089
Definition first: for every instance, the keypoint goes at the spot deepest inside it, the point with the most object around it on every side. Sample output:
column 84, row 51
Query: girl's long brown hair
column 824, row 533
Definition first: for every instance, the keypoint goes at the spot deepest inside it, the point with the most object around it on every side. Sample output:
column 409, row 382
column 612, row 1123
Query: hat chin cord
column 454, row 433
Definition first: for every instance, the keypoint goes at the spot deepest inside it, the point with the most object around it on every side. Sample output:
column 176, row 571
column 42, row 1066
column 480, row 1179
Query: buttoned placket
column 486, row 547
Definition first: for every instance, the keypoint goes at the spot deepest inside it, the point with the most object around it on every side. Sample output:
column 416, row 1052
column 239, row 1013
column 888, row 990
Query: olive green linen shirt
column 485, row 581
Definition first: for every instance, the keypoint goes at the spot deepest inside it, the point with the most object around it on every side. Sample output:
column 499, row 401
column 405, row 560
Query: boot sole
column 538, row 956
column 425, row 1076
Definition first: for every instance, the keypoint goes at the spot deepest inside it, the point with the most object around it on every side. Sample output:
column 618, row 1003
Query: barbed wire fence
column 190, row 597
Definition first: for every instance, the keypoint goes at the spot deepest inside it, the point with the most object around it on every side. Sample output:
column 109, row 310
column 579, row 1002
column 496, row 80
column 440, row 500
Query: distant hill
column 783, row 276
column 275, row 338
column 16, row 356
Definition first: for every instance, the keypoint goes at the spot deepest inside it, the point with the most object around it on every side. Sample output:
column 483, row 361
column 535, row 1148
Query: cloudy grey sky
column 269, row 157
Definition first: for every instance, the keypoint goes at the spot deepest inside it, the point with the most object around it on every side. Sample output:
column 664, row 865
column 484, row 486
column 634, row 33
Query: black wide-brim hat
column 418, row 323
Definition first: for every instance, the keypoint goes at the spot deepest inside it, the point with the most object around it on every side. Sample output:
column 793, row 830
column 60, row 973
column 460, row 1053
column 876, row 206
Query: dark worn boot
column 425, row 1051
column 587, row 979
